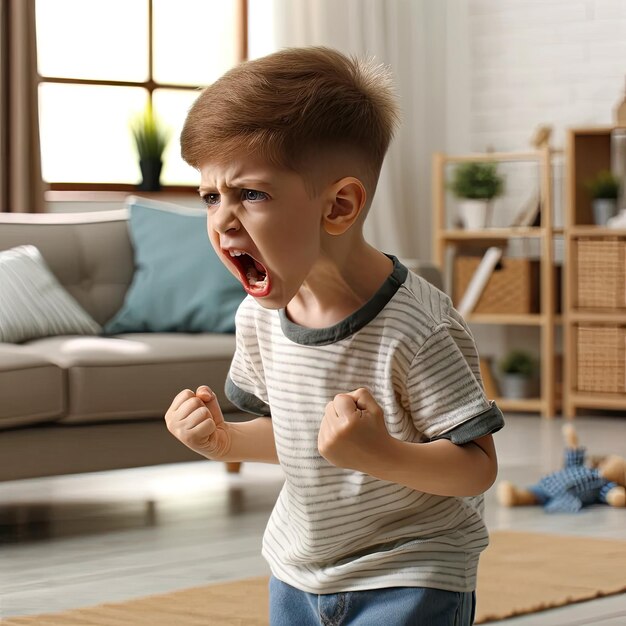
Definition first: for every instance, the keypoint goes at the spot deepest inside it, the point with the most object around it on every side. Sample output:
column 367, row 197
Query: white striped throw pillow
column 33, row 303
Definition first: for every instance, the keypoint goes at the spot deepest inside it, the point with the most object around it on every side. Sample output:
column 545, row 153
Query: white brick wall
column 558, row 62
column 533, row 62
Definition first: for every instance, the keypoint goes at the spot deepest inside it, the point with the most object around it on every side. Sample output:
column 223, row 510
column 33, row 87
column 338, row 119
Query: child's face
column 263, row 225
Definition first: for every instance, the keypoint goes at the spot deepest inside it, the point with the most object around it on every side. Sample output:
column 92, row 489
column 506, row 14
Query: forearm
column 439, row 467
column 252, row 441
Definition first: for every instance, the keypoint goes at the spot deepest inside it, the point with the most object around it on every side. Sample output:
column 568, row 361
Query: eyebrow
column 239, row 184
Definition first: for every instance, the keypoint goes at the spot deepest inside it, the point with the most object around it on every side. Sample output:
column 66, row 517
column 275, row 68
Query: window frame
column 150, row 85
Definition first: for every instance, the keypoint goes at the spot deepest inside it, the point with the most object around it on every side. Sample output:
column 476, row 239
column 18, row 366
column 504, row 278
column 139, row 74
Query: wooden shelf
column 607, row 316
column 447, row 239
column 588, row 152
column 593, row 130
column 490, row 233
column 599, row 400
column 527, row 405
column 532, row 319
column 490, row 157
column 596, row 231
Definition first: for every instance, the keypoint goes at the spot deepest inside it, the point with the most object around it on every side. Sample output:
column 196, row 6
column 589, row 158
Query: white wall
column 559, row 62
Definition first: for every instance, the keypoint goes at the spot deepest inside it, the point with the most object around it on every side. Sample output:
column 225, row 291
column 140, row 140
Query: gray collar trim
column 351, row 324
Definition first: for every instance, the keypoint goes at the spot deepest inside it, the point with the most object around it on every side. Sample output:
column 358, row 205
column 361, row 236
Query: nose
column 224, row 218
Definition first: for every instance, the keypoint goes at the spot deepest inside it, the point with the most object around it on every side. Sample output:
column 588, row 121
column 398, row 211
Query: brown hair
column 293, row 106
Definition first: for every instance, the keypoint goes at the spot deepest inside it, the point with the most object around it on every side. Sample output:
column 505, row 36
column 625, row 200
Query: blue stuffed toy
column 574, row 486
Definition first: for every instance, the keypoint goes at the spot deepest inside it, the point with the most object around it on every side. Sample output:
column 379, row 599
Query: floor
column 80, row 540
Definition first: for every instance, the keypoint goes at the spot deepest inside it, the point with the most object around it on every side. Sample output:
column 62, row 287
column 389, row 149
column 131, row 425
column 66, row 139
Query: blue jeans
column 395, row 606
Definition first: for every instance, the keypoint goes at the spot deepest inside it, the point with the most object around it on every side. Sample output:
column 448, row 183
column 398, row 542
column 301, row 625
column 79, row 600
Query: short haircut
column 293, row 107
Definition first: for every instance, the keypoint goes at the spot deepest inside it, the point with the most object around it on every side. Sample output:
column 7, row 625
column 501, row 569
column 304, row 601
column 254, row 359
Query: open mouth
column 252, row 273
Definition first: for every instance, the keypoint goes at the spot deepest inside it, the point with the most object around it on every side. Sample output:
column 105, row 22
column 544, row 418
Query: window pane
column 97, row 39
column 85, row 134
column 195, row 41
column 171, row 106
column 261, row 36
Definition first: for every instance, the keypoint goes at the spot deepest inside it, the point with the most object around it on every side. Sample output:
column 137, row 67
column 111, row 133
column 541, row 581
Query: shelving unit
column 588, row 151
column 546, row 318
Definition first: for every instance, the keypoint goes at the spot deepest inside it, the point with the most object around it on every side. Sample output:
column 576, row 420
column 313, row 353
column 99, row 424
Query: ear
column 347, row 198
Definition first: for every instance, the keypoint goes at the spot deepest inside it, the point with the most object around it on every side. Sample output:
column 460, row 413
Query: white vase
column 517, row 387
column 473, row 213
column 603, row 210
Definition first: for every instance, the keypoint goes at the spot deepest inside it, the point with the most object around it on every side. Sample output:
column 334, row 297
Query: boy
column 365, row 378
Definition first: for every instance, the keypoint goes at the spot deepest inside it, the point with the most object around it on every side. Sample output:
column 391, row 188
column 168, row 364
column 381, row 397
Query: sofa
column 72, row 403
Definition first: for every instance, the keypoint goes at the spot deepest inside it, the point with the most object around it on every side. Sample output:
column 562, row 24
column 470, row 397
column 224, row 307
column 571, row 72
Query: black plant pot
column 150, row 174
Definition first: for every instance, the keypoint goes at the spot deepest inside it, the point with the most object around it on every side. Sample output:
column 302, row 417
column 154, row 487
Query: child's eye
column 254, row 196
column 211, row 199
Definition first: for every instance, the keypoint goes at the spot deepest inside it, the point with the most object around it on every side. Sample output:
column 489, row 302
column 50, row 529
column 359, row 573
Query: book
column 479, row 280
column 529, row 212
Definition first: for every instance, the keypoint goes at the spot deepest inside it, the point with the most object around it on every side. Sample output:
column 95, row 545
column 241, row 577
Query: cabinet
column 447, row 237
column 595, row 283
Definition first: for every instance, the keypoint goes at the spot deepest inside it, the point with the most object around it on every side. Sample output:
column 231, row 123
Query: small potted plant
column 604, row 190
column 519, row 371
column 476, row 184
column 151, row 138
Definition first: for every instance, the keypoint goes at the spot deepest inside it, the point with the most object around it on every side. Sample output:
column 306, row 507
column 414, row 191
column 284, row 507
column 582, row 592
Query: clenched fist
column 353, row 434
column 196, row 419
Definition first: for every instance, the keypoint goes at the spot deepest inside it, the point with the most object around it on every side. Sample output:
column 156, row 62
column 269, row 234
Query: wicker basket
column 513, row 288
column 601, row 358
column 601, row 273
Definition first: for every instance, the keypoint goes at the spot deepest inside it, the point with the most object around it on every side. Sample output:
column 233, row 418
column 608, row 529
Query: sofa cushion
column 31, row 387
column 179, row 284
column 89, row 253
column 138, row 375
column 33, row 303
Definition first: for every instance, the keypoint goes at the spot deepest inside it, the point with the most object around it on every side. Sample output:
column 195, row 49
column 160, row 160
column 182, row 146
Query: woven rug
column 519, row 573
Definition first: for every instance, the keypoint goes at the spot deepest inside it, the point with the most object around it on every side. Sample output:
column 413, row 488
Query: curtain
column 21, row 185
column 413, row 38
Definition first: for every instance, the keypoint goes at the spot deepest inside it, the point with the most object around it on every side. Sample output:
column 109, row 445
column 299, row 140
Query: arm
column 440, row 467
column 197, row 421
column 253, row 441
column 354, row 435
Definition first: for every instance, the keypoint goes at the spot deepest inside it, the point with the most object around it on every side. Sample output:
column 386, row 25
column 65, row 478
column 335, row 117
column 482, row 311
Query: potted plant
column 476, row 184
column 151, row 138
column 519, row 371
column 604, row 190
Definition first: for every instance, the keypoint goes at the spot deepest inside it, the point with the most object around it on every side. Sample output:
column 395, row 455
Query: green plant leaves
column 477, row 181
column 519, row 362
column 150, row 135
column 603, row 185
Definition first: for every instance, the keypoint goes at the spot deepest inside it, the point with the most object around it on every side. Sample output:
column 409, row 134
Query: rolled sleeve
column 245, row 400
column 485, row 423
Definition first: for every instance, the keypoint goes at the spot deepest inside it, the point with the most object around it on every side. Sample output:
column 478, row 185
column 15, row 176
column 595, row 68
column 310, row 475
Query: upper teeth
column 236, row 252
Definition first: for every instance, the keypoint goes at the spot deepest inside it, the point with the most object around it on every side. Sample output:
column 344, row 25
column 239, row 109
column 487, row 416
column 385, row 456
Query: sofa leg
column 233, row 467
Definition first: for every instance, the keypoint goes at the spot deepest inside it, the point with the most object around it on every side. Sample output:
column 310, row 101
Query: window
column 100, row 61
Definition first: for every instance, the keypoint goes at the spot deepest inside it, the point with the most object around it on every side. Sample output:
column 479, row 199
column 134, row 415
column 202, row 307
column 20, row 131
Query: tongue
column 255, row 272
column 252, row 275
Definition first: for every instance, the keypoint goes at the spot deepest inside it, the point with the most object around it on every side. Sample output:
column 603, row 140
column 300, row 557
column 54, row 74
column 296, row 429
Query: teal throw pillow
column 179, row 284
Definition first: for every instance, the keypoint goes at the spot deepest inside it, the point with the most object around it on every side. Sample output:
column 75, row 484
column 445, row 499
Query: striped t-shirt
column 334, row 529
